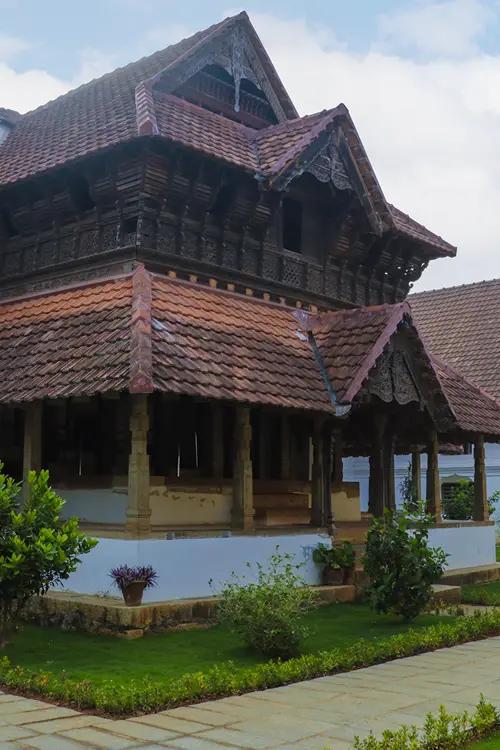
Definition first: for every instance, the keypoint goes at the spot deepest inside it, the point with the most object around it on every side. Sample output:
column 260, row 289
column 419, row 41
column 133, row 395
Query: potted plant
column 132, row 582
column 337, row 562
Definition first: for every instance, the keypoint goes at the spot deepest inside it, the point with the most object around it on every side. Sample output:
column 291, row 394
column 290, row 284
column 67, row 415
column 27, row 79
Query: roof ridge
column 468, row 285
column 141, row 345
column 195, row 38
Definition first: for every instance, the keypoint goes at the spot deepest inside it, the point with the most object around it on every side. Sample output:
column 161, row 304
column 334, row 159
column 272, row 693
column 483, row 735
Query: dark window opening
column 10, row 227
column 80, row 193
column 292, row 225
column 130, row 225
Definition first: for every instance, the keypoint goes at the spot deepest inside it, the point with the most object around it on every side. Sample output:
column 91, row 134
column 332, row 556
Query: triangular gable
column 332, row 150
column 236, row 47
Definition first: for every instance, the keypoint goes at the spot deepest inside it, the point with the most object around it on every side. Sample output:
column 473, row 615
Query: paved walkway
column 327, row 712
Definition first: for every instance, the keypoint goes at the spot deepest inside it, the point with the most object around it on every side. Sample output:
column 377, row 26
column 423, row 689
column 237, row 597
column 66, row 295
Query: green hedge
column 443, row 730
column 144, row 696
column 486, row 593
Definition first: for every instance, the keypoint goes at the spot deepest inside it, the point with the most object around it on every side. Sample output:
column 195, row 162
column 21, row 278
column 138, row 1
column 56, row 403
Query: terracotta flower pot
column 332, row 576
column 348, row 575
column 132, row 593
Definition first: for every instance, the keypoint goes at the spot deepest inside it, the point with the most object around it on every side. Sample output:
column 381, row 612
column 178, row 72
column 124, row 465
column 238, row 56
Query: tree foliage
column 458, row 502
column 400, row 564
column 37, row 548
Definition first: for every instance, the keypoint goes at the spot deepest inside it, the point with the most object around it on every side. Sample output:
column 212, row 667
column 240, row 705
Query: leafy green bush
column 400, row 564
column 446, row 731
column 145, row 696
column 487, row 594
column 458, row 502
column 269, row 614
column 336, row 556
column 37, row 548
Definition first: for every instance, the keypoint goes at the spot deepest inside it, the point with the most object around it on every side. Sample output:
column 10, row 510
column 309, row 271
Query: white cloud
column 431, row 130
column 450, row 28
column 11, row 46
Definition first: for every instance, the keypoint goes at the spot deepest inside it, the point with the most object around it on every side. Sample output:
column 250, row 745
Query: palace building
column 203, row 311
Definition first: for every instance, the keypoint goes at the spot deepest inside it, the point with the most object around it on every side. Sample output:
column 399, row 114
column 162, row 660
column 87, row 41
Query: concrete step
column 480, row 574
column 443, row 594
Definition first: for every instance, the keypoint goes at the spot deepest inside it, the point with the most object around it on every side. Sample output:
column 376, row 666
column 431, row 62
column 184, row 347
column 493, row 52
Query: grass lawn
column 498, row 553
column 493, row 743
column 482, row 593
column 165, row 655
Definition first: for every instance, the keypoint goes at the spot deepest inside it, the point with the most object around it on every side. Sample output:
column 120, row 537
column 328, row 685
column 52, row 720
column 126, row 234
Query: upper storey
column 194, row 159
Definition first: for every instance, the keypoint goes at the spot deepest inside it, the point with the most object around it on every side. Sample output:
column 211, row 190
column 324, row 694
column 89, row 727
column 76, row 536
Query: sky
column 421, row 79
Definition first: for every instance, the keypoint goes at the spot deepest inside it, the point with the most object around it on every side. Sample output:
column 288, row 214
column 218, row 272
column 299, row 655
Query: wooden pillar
column 32, row 447
column 338, row 454
column 217, row 440
column 139, row 508
column 285, row 446
column 318, row 475
column 433, row 481
column 243, row 511
column 378, row 485
column 389, row 472
column 481, row 510
column 263, row 445
column 416, row 478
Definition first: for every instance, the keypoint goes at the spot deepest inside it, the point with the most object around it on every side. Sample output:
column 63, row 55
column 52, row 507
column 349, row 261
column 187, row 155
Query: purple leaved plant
column 124, row 575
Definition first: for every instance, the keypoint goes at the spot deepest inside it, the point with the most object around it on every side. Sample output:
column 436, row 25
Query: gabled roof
column 144, row 332
column 10, row 116
column 462, row 327
column 126, row 104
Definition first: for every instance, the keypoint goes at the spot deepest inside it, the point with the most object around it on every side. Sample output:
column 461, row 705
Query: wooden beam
column 416, row 476
column 433, row 493
column 243, row 511
column 32, row 446
column 318, row 475
column 481, row 509
column 139, row 508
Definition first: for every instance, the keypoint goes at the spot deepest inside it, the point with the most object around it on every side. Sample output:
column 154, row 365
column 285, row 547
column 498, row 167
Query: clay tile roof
column 462, row 326
column 10, row 116
column 475, row 410
column 220, row 345
column 350, row 341
column 144, row 332
column 411, row 228
column 97, row 115
column 199, row 129
column 70, row 342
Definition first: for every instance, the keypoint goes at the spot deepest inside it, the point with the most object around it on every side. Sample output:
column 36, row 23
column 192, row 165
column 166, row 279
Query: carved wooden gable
column 235, row 52
column 392, row 379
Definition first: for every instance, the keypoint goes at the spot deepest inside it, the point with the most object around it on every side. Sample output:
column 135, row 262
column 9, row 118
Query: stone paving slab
column 324, row 713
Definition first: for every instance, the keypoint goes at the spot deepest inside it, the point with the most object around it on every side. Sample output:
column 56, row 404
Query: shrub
column 458, row 502
column 400, row 564
column 37, row 548
column 335, row 557
column 144, row 696
column 446, row 731
column 487, row 594
column 268, row 614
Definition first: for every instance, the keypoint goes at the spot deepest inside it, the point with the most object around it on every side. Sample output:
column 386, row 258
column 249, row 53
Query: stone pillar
column 416, row 478
column 285, row 446
column 139, row 508
column 217, row 440
column 318, row 475
column 433, row 481
column 481, row 510
column 243, row 511
column 32, row 448
column 378, row 485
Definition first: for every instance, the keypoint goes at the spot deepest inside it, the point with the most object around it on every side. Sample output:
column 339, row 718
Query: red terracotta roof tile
column 462, row 326
column 145, row 332
column 406, row 225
